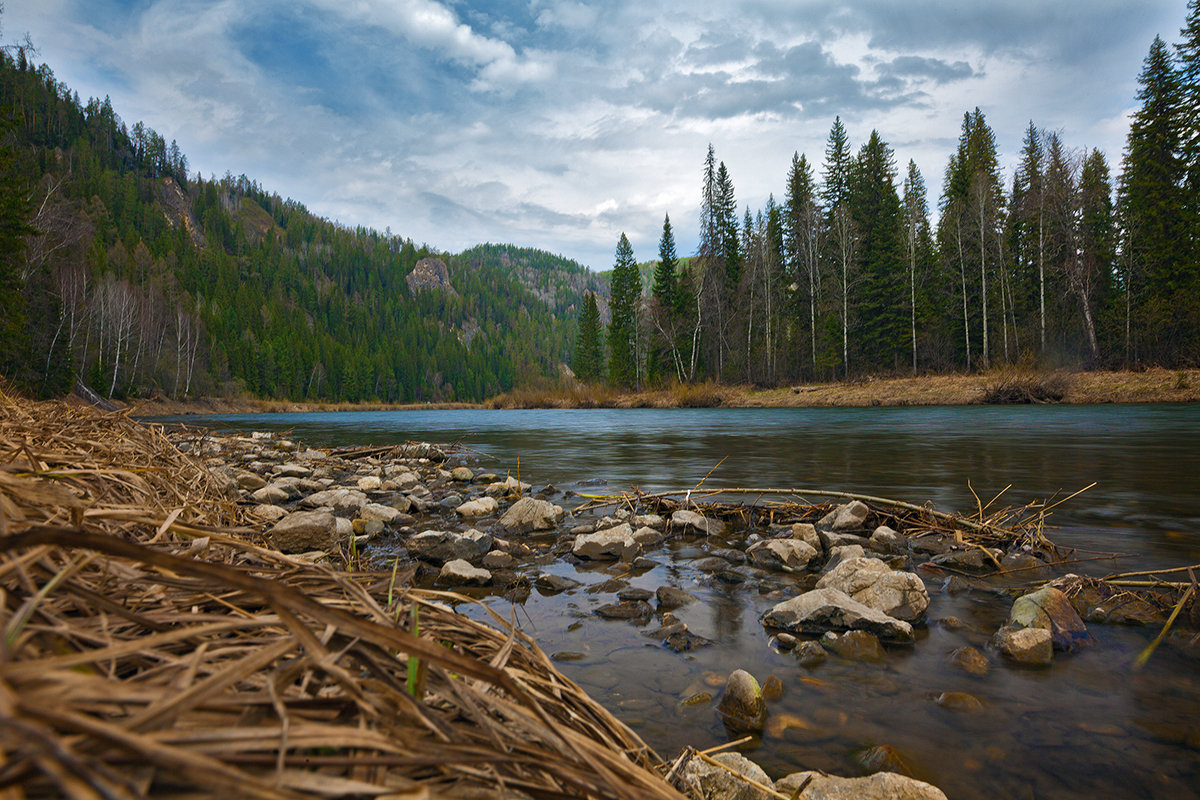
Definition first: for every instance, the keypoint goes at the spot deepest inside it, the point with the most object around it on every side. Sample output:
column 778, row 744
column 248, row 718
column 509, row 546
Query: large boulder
column 530, row 514
column 614, row 543
column 711, row 782
column 693, row 522
column 880, row 786
column 742, row 707
column 901, row 595
column 438, row 547
column 788, row 555
column 1048, row 608
column 302, row 531
column 832, row 609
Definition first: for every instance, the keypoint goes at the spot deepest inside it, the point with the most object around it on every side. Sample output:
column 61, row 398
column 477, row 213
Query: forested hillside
column 120, row 269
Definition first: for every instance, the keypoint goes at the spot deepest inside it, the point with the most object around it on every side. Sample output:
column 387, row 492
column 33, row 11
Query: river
column 1086, row 726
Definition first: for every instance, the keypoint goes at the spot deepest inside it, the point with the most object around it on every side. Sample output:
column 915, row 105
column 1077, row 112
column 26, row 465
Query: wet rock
column 1028, row 563
column 1033, row 647
column 647, row 537
column 460, row 573
column 451, row 501
column 302, row 531
column 835, row 539
column 710, row 564
column 376, row 511
column 772, row 688
column 692, row 522
column 969, row 660
column 880, row 786
column 638, row 611
column 632, row 593
column 786, row 641
column 479, row 507
column 931, row 545
column 1050, row 609
column 509, row 485
column 853, row 645
column 839, row 554
column 901, row 595
column 367, row 527
column 648, row 521
column 976, row 559
column 885, row 540
column 550, row 583
column 807, row 533
column 641, row 564
column 730, row 575
column 850, row 516
column 461, row 474
column 742, row 707
column 826, row 609
column 883, row 758
column 438, row 547
column 789, row 555
column 959, row 701
column 498, row 559
column 270, row 495
column 614, row 543
column 730, row 555
column 676, row 636
column 269, row 512
column 1097, row 601
column 529, row 514
column 711, row 782
column 670, row 598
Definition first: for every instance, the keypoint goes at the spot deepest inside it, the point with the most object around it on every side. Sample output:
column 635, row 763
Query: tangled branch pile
column 150, row 649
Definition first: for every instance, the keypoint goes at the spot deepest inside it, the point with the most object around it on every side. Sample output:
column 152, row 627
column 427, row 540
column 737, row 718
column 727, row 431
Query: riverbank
column 1070, row 388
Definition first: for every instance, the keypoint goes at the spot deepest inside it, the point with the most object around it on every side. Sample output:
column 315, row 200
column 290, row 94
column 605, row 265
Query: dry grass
column 149, row 649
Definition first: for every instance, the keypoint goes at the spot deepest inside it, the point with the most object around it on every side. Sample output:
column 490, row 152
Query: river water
column 1089, row 725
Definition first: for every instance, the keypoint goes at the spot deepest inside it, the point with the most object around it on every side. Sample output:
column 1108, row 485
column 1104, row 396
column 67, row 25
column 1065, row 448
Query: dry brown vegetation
column 150, row 647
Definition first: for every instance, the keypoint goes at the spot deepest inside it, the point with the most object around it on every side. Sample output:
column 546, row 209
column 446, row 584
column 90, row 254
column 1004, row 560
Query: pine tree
column 843, row 238
column 1160, row 276
column 918, row 244
column 626, row 292
column 1091, row 279
column 589, row 354
column 665, row 289
column 1188, row 52
column 14, row 226
column 802, row 243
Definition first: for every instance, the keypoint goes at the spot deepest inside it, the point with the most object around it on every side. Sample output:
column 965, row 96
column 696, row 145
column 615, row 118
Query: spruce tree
column 665, row 289
column 626, row 292
column 802, row 244
column 918, row 244
column 1160, row 276
column 589, row 353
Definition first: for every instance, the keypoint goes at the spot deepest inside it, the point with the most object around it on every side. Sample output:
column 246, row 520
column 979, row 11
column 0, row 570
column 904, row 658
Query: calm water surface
column 1087, row 726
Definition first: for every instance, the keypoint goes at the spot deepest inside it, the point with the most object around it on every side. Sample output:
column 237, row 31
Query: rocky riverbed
column 844, row 587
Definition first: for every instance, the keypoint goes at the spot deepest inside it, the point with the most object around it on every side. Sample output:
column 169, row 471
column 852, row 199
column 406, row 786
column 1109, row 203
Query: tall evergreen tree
column 803, row 230
column 918, row 243
column 664, row 289
column 589, row 352
column 842, row 238
column 1160, row 275
column 1091, row 278
column 667, row 307
column 1188, row 52
column 626, row 292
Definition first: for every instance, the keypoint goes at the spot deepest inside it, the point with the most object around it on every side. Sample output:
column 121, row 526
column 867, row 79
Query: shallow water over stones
column 1085, row 725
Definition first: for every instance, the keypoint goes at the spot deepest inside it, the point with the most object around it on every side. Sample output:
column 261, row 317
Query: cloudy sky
column 559, row 124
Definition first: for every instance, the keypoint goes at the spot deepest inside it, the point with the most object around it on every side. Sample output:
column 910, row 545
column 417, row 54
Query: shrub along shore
column 1004, row 387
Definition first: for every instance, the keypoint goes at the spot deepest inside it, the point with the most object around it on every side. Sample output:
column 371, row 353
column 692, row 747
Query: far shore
column 1067, row 388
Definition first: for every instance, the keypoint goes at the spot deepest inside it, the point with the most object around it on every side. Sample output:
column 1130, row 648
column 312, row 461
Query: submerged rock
column 853, row 645
column 670, row 598
column 636, row 611
column 742, row 707
column 1048, row 608
column 809, row 653
column 969, row 660
column 549, row 583
column 832, row 609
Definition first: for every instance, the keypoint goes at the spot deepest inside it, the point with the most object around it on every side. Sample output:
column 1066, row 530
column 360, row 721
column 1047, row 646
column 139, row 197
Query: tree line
column 853, row 272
